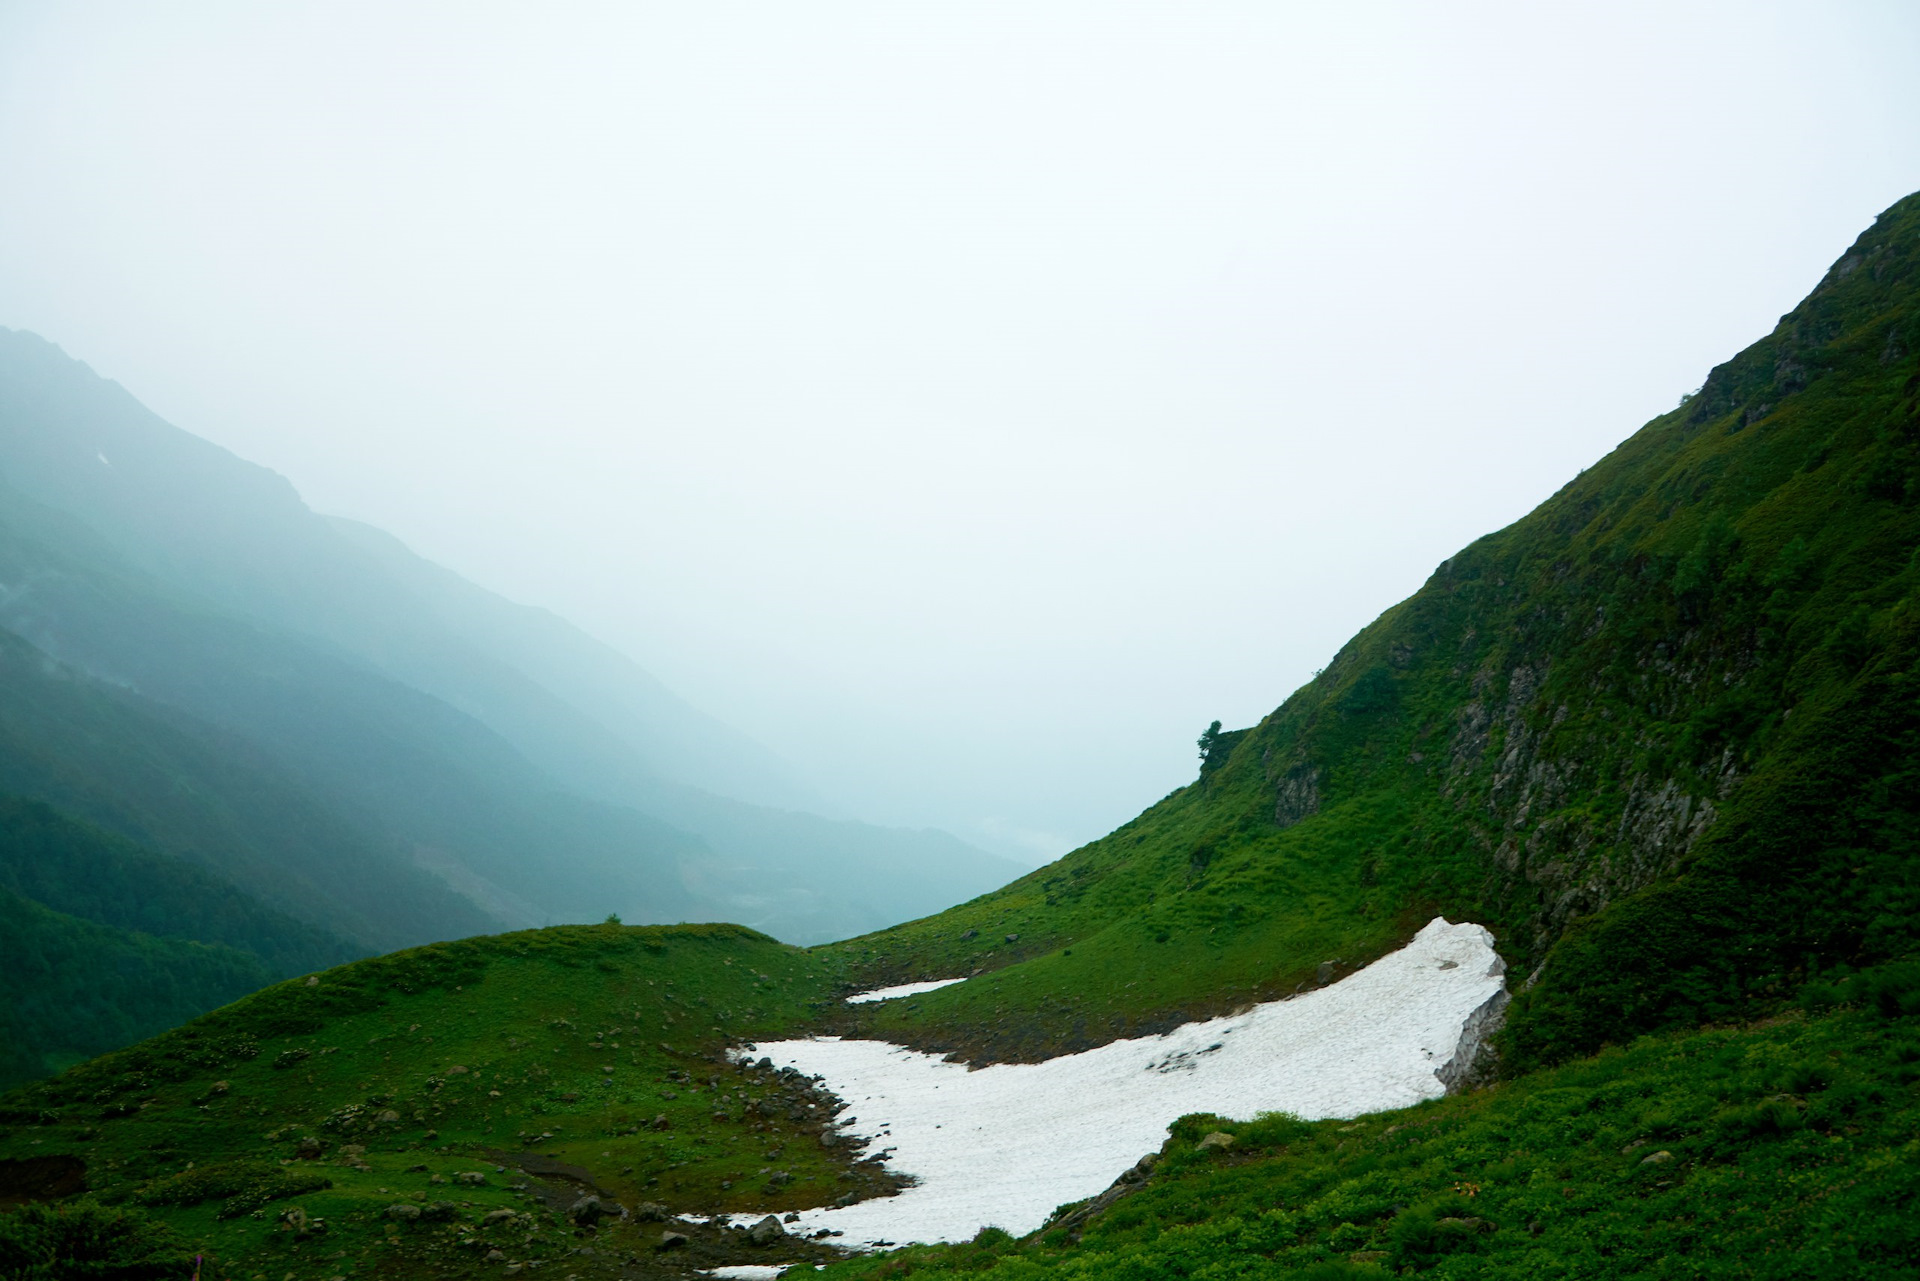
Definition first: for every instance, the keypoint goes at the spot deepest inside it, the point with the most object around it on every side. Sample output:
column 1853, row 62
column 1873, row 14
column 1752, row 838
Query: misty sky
column 971, row 401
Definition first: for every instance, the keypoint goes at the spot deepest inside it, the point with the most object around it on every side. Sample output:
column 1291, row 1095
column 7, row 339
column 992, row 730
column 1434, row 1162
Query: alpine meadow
column 1654, row 749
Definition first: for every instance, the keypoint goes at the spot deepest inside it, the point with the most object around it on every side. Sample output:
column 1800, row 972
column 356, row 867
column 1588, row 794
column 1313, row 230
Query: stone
column 651, row 1212
column 766, row 1232
column 495, row 1218
column 309, row 1149
column 672, row 1240
column 470, row 1176
column 496, row 1256
column 439, row 1212
column 1013, row 938
column 403, row 1213
column 661, row 1123
column 1218, row 1139
column 970, row 934
column 1658, row 1158
column 588, row 1209
column 388, row 1117
column 1324, row 974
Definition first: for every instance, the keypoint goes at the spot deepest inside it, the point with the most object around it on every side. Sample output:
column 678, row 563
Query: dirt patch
column 41, row 1178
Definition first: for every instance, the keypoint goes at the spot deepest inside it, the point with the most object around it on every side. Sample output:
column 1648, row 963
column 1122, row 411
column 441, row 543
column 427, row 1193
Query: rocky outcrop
column 1474, row 1059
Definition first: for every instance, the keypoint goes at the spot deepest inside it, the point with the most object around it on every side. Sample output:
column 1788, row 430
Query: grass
column 597, row 1048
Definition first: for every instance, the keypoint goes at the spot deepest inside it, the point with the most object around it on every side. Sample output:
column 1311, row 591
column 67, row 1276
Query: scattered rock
column 436, row 1178
column 1218, row 1139
column 471, row 1176
column 313, row 980
column 591, row 1209
column 970, row 934
column 1324, row 974
column 651, row 1212
column 766, row 1232
column 496, row 1256
column 790, row 1217
column 661, row 1123
column 672, row 1240
column 1658, row 1158
column 439, row 1212
column 1013, row 938
column 310, row 1149
column 403, row 1213
column 1470, row 1225
column 495, row 1217
column 388, row 1117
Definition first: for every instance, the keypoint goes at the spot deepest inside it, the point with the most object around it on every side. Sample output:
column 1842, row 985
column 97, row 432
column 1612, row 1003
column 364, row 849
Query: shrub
column 85, row 1239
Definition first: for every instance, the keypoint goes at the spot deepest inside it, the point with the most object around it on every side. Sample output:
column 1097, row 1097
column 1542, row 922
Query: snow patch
column 1007, row 1144
column 899, row 990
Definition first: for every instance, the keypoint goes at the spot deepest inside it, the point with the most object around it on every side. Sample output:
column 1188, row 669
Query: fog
column 971, row 401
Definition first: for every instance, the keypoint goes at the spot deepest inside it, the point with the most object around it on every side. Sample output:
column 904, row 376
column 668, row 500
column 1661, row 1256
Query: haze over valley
column 1011, row 643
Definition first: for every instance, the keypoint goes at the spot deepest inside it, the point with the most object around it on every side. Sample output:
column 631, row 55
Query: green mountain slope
column 1657, row 735
column 81, row 871
column 75, row 988
column 180, row 787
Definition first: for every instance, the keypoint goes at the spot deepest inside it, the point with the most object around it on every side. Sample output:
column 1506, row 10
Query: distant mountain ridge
column 466, row 763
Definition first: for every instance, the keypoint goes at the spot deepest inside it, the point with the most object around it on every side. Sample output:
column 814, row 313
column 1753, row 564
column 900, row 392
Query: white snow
column 1008, row 1143
column 899, row 990
column 748, row 1271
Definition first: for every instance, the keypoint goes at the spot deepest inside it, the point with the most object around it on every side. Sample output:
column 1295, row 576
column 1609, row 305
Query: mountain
column 104, row 943
column 432, row 730
column 1658, row 737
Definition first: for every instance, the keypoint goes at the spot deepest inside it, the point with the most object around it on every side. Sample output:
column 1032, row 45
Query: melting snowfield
column 901, row 989
column 1005, row 1145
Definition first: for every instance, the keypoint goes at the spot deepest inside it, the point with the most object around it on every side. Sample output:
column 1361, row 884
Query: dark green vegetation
column 85, row 872
column 516, row 1072
column 103, row 943
column 1789, row 1150
column 1659, row 735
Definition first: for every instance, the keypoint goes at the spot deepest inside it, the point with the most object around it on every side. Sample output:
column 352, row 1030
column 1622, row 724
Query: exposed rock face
column 1132, row 1179
column 1474, row 1060
column 1296, row 796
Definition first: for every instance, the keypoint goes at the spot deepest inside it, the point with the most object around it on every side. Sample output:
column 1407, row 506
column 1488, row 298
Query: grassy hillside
column 550, row 1062
column 1657, row 735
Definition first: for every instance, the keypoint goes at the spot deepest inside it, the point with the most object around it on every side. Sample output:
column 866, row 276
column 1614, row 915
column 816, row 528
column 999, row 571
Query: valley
column 1643, row 760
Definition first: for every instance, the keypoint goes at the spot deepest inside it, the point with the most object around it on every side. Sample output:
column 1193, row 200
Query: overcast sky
column 971, row 401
